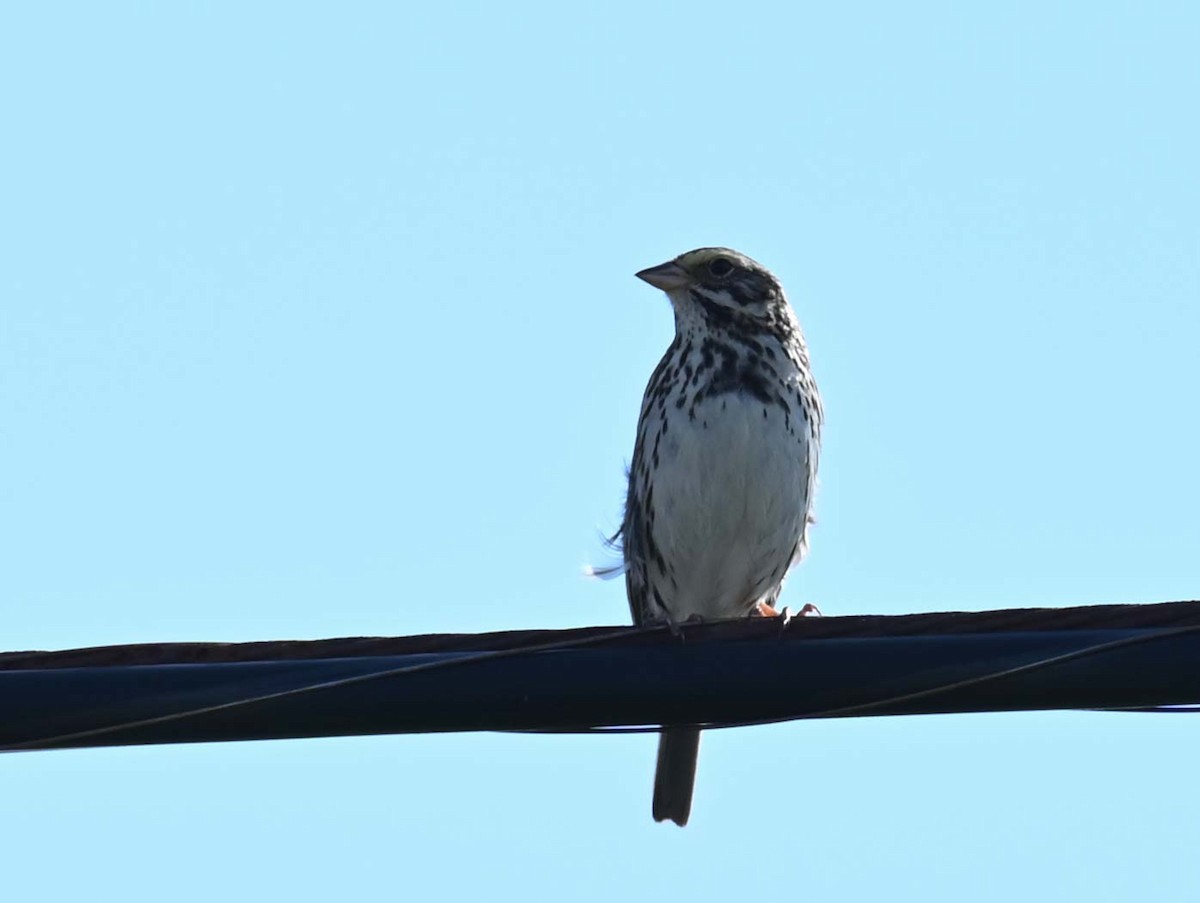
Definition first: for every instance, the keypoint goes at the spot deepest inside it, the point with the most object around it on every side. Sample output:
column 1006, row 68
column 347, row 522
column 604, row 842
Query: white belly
column 731, row 496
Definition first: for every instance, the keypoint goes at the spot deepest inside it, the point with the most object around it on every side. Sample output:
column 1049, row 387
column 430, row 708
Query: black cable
column 859, row 708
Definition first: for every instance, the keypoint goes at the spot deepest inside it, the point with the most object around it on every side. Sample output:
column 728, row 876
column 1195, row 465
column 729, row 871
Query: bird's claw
column 676, row 627
column 765, row 610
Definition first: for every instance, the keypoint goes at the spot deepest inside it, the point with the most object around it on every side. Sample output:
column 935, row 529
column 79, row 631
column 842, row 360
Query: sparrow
column 724, row 467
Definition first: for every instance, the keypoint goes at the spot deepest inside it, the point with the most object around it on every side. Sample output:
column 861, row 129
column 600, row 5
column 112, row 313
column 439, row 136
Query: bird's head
column 722, row 287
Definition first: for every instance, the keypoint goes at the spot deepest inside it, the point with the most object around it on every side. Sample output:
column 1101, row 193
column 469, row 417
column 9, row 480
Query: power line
column 1135, row 657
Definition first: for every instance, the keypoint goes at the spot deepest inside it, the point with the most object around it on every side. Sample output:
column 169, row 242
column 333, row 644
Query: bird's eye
column 720, row 266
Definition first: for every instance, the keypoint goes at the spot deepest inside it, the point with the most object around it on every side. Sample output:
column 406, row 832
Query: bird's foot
column 676, row 627
column 765, row 610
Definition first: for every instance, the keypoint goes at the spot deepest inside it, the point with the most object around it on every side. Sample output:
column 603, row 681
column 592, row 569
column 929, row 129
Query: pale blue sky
column 321, row 322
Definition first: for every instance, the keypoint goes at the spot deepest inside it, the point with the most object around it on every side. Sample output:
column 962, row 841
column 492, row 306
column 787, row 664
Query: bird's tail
column 675, row 775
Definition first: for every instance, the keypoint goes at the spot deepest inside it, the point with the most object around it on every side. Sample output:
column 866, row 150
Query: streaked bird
column 724, row 467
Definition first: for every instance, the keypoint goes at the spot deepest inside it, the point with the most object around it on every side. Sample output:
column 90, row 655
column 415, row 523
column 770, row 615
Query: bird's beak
column 666, row 276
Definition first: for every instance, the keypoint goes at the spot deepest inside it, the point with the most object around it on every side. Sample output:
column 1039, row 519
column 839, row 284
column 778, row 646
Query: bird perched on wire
column 724, row 467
